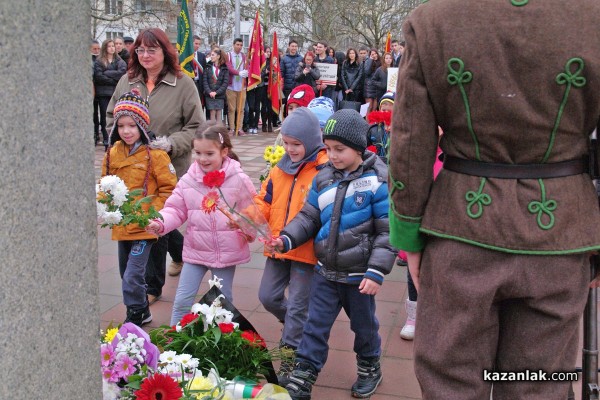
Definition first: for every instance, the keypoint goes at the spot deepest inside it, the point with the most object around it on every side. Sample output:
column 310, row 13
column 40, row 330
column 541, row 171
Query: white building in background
column 213, row 20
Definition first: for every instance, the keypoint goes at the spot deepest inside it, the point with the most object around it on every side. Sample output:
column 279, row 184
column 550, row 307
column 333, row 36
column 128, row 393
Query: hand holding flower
column 275, row 245
column 153, row 227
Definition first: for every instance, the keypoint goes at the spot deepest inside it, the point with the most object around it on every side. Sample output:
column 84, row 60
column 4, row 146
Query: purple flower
column 110, row 375
column 124, row 366
column 107, row 354
column 152, row 352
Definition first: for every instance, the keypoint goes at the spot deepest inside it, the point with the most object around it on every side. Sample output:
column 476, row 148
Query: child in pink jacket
column 211, row 242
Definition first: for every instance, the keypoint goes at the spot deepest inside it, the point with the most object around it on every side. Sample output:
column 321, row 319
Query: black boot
column 302, row 379
column 270, row 127
column 288, row 355
column 369, row 377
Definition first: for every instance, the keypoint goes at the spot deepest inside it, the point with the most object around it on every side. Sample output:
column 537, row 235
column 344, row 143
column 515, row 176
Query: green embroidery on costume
column 478, row 199
column 460, row 77
column 543, row 207
column 519, row 3
column 570, row 79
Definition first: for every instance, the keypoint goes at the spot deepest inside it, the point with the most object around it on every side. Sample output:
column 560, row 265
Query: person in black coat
column 380, row 76
column 121, row 50
column 306, row 72
column 216, row 79
column 351, row 76
column 371, row 90
column 108, row 69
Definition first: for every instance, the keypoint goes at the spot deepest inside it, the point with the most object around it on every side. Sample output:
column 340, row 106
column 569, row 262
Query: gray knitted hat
column 303, row 125
column 348, row 127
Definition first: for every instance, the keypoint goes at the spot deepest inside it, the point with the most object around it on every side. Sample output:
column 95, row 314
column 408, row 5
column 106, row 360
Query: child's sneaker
column 288, row 354
column 408, row 330
column 369, row 377
column 139, row 317
column 302, row 379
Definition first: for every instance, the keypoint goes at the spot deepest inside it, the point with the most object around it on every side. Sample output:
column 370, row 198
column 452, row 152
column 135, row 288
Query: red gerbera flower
column 159, row 387
column 214, row 179
column 254, row 338
column 226, row 327
column 187, row 318
column 210, row 202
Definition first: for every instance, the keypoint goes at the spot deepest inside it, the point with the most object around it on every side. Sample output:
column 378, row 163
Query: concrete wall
column 48, row 279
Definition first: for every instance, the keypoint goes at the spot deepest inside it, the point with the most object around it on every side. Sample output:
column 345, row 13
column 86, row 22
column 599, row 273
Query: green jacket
column 175, row 112
column 508, row 81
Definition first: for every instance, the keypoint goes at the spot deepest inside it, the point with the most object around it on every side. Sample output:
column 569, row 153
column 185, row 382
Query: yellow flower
column 110, row 334
column 202, row 383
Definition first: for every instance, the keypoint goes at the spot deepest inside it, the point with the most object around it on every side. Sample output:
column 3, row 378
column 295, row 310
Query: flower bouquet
column 211, row 334
column 242, row 214
column 116, row 205
column 272, row 156
column 133, row 369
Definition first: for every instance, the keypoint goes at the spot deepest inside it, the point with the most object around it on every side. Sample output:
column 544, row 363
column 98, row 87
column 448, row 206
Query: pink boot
column 408, row 330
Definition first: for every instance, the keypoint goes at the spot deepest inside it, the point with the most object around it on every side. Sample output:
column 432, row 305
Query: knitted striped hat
column 134, row 106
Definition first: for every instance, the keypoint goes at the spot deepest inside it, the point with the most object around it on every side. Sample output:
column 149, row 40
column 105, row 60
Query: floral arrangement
column 209, row 334
column 249, row 220
column 116, row 205
column 133, row 369
column 272, row 156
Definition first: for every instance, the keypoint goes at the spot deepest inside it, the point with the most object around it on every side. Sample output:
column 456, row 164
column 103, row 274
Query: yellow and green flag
column 185, row 45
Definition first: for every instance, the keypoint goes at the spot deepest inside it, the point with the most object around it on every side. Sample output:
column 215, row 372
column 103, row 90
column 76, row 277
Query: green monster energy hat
column 348, row 127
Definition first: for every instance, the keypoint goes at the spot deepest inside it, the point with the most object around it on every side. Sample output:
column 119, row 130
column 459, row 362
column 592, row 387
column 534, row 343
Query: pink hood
column 208, row 240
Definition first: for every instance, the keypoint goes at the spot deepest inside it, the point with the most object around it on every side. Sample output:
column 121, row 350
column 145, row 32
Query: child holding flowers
column 281, row 197
column 212, row 242
column 130, row 158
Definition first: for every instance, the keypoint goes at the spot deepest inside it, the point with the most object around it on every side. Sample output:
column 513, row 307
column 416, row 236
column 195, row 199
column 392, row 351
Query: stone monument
column 49, row 312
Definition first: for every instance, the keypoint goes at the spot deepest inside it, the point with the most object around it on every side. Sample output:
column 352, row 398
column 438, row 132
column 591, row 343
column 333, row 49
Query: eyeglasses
column 150, row 51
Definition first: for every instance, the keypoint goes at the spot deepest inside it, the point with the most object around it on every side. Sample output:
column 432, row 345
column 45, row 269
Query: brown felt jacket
column 528, row 77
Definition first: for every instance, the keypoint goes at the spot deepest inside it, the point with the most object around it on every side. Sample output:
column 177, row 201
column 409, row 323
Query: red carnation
column 254, row 338
column 187, row 318
column 226, row 327
column 159, row 386
column 214, row 179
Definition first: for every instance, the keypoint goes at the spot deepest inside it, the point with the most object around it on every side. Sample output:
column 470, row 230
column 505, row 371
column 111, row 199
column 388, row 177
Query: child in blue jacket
column 347, row 214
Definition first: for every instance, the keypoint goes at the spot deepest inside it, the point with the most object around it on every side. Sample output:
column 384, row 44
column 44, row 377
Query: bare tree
column 213, row 21
column 131, row 15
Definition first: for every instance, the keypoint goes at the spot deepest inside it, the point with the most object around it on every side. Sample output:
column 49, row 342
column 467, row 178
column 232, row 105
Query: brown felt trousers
column 482, row 309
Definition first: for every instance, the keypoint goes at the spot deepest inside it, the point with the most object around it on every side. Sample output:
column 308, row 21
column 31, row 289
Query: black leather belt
column 516, row 171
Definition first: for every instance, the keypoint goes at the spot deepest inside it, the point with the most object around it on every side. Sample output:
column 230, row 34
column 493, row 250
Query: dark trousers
column 327, row 298
column 256, row 99
column 286, row 94
column 412, row 290
column 103, row 102
column 157, row 263
column 481, row 309
column 96, row 116
column 133, row 256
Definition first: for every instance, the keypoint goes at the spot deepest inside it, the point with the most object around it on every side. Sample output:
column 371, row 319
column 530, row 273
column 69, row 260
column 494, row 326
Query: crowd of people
column 496, row 242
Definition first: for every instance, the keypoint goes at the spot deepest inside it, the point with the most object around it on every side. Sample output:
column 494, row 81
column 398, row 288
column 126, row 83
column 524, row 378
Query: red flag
column 388, row 43
column 256, row 55
column 274, row 89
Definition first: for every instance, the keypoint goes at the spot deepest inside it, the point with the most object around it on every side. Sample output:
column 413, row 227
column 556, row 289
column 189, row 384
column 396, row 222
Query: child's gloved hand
column 153, row 227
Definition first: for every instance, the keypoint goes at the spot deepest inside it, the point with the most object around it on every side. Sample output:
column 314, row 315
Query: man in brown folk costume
column 499, row 245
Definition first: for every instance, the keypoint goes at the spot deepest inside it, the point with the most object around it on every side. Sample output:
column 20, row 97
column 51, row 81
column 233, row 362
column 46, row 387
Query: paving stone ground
column 339, row 373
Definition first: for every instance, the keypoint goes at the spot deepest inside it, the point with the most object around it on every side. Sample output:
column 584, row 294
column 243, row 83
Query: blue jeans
column 133, row 257
column 189, row 283
column 327, row 298
column 292, row 311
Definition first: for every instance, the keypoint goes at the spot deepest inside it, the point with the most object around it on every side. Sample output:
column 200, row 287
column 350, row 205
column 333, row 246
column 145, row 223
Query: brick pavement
column 339, row 373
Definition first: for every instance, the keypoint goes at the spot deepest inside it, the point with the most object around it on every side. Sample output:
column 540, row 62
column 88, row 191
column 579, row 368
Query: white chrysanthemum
column 168, row 357
column 112, row 217
column 215, row 281
column 109, row 182
column 101, row 209
column 183, row 360
column 110, row 391
column 119, row 194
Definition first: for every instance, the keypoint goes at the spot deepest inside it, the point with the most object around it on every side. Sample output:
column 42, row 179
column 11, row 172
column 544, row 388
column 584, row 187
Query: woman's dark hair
column 222, row 56
column 104, row 53
column 217, row 132
column 384, row 66
column 154, row 37
column 308, row 54
column 376, row 63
